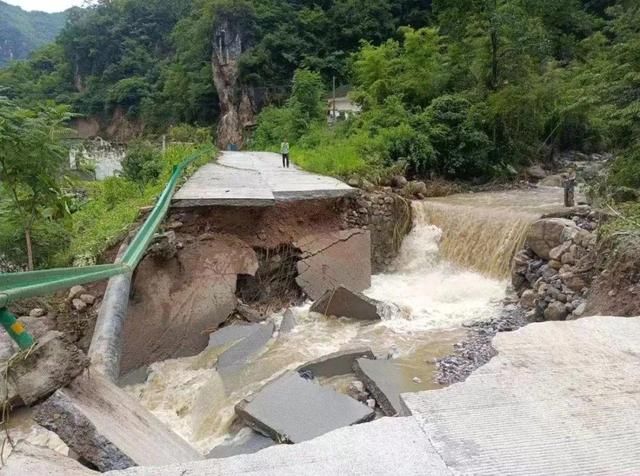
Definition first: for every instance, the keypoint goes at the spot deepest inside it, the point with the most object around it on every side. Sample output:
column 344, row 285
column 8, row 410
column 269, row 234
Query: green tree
column 32, row 159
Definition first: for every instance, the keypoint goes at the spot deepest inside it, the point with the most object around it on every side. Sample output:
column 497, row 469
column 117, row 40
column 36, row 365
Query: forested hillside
column 22, row 32
column 469, row 90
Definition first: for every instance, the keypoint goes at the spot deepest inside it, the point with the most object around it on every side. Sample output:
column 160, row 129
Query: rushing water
column 450, row 270
column 437, row 296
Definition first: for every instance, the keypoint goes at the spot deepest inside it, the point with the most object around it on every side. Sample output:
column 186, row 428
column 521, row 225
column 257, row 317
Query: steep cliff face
column 237, row 107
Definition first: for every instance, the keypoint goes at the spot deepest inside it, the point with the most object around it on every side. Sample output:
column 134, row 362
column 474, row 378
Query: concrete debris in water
column 385, row 381
column 36, row 374
column 255, row 338
column 338, row 363
column 252, row 443
column 288, row 322
column 292, row 409
column 109, row 428
column 342, row 302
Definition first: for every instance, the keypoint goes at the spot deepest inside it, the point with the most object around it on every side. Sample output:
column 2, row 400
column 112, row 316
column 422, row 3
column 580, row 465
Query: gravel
column 476, row 350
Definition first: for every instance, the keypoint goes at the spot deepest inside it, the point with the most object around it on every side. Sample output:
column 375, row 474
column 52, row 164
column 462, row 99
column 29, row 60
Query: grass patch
column 114, row 205
column 339, row 159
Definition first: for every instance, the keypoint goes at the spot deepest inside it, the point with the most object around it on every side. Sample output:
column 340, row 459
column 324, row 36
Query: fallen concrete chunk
column 135, row 377
column 292, row 409
column 342, row 302
column 334, row 259
column 252, row 442
column 230, row 334
column 34, row 375
column 338, row 363
column 247, row 346
column 385, row 381
column 109, row 428
column 288, row 322
column 27, row 459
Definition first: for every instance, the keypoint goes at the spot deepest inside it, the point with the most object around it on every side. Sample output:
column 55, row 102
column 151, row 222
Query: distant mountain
column 21, row 32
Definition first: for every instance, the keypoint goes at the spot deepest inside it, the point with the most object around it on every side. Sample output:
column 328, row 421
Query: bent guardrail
column 14, row 286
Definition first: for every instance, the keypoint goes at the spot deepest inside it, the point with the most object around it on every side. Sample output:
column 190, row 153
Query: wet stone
column 342, row 302
column 292, row 409
column 385, row 381
column 338, row 363
column 288, row 322
column 254, row 443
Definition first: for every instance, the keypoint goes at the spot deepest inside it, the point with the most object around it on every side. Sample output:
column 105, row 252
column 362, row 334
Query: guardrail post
column 15, row 329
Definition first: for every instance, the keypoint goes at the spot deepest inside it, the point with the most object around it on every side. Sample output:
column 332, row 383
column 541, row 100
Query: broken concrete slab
column 388, row 446
column 246, row 347
column 288, row 322
column 109, row 428
column 177, row 303
column 558, row 395
column 342, row 302
column 385, row 381
column 252, row 442
column 341, row 258
column 51, row 364
column 27, row 459
column 135, row 377
column 293, row 409
column 338, row 363
column 230, row 334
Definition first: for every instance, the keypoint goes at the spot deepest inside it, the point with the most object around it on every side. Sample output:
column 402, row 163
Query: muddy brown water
column 452, row 269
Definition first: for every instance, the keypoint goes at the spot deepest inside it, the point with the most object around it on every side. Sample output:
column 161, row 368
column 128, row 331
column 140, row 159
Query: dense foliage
column 460, row 89
column 22, row 32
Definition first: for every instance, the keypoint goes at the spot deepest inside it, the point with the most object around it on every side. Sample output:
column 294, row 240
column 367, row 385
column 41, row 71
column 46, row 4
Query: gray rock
column 557, row 252
column 53, row 363
column 528, row 298
column 385, row 381
column 88, row 299
column 580, row 310
column 338, row 363
column 37, row 312
column 536, row 172
column 76, row 291
column 342, row 302
column 254, row 443
column 292, row 409
column 288, row 322
column 230, row 334
column 109, row 428
column 79, row 305
column 549, row 233
column 249, row 313
column 398, row 181
column 556, row 311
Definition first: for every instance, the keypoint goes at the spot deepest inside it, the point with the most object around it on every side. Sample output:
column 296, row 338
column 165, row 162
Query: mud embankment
column 208, row 260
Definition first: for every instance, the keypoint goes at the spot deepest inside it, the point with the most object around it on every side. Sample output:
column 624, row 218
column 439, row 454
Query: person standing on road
column 284, row 150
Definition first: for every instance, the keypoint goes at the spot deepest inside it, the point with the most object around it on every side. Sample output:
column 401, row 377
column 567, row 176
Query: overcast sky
column 46, row 5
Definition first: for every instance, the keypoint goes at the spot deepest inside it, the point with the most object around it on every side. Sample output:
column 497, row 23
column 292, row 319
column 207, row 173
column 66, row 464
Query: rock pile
column 553, row 272
column 387, row 215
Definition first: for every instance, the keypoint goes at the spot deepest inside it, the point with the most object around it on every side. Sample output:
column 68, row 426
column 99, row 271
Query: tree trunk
column 27, row 237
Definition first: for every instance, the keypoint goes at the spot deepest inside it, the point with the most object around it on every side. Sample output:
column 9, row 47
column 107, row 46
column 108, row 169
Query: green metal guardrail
column 14, row 286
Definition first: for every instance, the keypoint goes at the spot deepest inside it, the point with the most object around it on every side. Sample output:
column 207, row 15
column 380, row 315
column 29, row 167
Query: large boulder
column 549, row 233
column 342, row 302
column 52, row 363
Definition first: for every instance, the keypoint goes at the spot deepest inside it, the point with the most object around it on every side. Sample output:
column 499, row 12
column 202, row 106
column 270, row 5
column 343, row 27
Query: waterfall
column 483, row 231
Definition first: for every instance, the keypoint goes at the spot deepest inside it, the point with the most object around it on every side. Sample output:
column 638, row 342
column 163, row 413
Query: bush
column 190, row 134
column 461, row 147
column 625, row 171
column 142, row 163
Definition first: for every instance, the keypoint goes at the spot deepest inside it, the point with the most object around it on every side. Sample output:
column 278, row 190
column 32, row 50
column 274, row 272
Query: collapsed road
column 212, row 364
